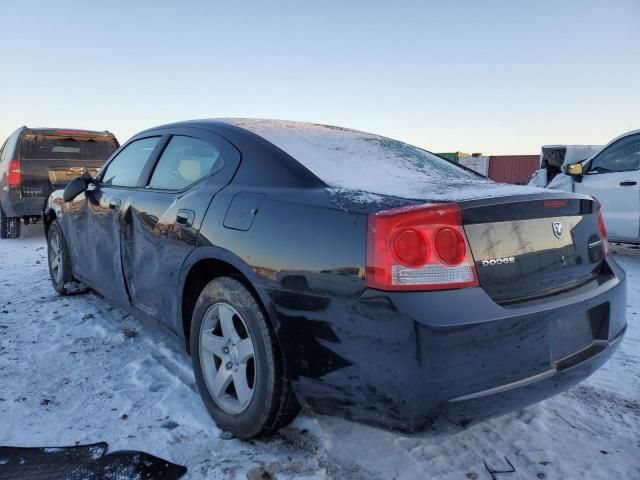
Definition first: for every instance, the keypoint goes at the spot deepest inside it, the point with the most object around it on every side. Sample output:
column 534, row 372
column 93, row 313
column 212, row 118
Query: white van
column 613, row 177
column 554, row 158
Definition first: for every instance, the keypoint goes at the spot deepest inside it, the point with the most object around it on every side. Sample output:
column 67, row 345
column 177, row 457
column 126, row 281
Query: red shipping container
column 513, row 168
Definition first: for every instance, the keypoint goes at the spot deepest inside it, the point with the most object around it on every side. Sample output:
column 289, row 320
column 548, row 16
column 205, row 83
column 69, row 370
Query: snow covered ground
column 75, row 369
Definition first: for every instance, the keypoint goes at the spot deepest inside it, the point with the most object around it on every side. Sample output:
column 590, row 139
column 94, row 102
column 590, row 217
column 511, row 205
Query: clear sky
column 477, row 76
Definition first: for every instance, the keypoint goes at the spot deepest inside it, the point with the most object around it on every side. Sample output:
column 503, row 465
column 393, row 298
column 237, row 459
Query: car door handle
column 185, row 217
column 628, row 183
column 114, row 204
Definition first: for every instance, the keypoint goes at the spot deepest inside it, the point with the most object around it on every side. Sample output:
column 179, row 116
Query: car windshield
column 48, row 147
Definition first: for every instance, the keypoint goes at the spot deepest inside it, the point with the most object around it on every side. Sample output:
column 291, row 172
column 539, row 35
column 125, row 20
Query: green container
column 454, row 156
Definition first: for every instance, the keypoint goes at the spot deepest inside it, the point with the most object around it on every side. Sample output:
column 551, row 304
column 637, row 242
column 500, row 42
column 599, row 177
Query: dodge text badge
column 498, row 261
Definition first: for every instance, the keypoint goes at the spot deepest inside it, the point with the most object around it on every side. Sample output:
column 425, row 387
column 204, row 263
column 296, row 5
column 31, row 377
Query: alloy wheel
column 227, row 358
column 55, row 256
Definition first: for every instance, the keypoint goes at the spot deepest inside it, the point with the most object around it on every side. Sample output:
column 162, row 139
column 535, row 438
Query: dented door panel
column 160, row 229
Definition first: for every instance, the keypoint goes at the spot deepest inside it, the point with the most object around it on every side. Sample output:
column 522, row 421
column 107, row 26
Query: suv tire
column 9, row 226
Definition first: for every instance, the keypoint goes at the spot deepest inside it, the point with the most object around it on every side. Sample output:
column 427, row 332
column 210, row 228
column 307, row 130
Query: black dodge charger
column 361, row 275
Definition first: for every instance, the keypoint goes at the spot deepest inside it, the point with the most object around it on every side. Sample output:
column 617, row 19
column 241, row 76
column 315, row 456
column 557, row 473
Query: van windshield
column 49, row 147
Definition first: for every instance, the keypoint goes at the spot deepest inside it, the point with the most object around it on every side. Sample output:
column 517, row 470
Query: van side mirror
column 76, row 187
column 574, row 169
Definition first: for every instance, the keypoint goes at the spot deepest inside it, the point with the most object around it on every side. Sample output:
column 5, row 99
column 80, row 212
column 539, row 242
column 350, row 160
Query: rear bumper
column 512, row 396
column 399, row 359
column 597, row 350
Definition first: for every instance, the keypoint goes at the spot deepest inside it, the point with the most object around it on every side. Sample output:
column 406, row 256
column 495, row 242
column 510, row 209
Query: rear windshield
column 354, row 160
column 47, row 147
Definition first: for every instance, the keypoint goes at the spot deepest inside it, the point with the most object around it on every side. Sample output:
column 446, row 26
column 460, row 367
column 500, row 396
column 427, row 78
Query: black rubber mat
column 83, row 462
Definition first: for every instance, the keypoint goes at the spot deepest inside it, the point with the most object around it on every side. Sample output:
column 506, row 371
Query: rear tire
column 58, row 259
column 9, row 226
column 231, row 339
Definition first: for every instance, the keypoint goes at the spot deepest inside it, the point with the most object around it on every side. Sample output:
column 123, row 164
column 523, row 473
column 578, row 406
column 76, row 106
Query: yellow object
column 574, row 169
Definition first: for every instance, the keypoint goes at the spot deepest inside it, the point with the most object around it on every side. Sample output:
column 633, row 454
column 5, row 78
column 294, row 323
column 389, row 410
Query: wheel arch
column 206, row 264
column 48, row 216
column 5, row 204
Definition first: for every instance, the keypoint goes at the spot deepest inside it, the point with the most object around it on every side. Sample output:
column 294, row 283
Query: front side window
column 126, row 169
column 622, row 156
column 185, row 161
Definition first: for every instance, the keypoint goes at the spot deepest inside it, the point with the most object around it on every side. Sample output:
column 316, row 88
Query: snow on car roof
column 357, row 161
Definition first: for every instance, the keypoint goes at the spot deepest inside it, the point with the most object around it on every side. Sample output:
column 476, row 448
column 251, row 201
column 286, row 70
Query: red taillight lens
column 14, row 173
column 73, row 132
column 419, row 248
column 603, row 230
column 556, row 203
column 450, row 247
column 410, row 248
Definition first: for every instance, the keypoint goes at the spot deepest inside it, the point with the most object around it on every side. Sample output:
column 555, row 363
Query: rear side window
column 184, row 161
column 622, row 156
column 125, row 170
column 48, row 147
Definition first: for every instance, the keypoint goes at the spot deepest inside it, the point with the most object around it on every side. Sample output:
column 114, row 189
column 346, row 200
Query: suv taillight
column 13, row 177
column 421, row 247
column 603, row 230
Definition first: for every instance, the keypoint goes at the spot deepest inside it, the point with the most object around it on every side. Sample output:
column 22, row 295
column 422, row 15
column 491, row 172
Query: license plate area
column 62, row 175
column 570, row 334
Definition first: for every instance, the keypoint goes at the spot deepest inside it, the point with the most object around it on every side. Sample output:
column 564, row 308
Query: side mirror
column 574, row 169
column 76, row 187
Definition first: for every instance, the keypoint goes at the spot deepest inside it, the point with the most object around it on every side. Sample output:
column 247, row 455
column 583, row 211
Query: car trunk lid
column 528, row 248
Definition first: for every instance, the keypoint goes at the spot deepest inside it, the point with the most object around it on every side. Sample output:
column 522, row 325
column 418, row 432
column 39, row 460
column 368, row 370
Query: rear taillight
column 422, row 247
column 13, row 177
column 603, row 230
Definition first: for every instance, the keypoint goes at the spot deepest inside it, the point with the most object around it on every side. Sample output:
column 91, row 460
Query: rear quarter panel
column 304, row 256
column 297, row 242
